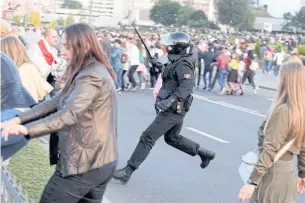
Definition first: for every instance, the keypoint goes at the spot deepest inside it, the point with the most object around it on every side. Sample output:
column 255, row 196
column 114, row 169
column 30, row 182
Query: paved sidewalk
column 266, row 81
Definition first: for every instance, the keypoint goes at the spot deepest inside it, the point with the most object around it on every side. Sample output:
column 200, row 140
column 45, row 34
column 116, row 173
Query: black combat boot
column 206, row 156
column 123, row 174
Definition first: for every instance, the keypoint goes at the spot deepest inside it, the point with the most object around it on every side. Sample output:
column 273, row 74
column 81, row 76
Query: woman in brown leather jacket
column 84, row 114
column 273, row 179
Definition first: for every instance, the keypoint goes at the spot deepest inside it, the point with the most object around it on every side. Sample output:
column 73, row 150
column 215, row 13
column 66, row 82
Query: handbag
column 253, row 66
column 249, row 160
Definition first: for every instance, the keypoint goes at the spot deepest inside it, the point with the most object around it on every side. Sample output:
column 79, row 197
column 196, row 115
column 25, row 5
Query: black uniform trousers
column 167, row 124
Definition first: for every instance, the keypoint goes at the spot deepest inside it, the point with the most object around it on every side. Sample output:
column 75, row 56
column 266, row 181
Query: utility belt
column 180, row 106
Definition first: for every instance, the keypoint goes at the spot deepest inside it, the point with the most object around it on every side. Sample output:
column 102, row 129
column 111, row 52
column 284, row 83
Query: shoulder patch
column 187, row 76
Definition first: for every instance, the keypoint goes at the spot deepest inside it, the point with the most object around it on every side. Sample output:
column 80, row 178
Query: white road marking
column 105, row 200
column 250, row 111
column 270, row 99
column 207, row 135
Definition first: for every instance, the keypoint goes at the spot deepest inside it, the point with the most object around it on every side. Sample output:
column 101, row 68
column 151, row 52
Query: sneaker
column 134, row 88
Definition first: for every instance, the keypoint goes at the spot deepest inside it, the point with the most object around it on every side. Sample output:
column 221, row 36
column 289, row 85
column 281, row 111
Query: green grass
column 31, row 168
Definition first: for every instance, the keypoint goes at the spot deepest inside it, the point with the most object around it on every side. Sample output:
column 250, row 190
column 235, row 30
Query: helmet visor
column 167, row 40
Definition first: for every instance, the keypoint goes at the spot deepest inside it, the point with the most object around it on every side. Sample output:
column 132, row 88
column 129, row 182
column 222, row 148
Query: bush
column 278, row 47
column 52, row 25
column 301, row 50
column 257, row 50
column 231, row 39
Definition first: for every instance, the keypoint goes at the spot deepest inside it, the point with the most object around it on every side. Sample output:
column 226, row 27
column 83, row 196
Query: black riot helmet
column 177, row 43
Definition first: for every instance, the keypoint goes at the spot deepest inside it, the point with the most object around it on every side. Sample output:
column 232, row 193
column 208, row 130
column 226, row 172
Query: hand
column 301, row 185
column 196, row 70
column 13, row 129
column 166, row 103
column 246, row 192
column 153, row 61
column 13, row 121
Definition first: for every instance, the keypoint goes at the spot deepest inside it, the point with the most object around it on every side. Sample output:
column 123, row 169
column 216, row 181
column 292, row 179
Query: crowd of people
column 231, row 62
column 71, row 93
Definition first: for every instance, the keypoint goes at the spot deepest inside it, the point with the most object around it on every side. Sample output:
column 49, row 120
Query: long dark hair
column 78, row 36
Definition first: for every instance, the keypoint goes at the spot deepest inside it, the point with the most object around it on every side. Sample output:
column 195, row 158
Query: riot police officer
column 172, row 103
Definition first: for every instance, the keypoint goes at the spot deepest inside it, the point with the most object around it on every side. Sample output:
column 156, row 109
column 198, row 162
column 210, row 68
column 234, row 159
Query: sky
column 278, row 7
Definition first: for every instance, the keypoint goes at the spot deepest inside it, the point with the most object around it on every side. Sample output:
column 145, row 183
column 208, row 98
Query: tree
column 72, row 4
column 17, row 19
column 298, row 20
column 259, row 12
column 294, row 22
column 165, row 12
column 184, row 14
column 198, row 19
column 84, row 16
column 234, row 13
column 60, row 21
column 52, row 25
column 35, row 18
column 69, row 20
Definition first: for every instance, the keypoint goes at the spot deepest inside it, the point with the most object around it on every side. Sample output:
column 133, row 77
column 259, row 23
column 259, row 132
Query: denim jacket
column 13, row 94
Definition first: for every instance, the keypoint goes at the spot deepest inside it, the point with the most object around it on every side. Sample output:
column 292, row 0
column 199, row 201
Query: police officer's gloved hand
column 166, row 103
column 155, row 63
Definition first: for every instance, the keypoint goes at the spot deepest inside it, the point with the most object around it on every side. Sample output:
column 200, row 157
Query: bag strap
column 283, row 150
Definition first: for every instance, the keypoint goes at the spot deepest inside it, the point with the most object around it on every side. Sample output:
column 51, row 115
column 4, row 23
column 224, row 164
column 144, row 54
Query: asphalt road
column 226, row 125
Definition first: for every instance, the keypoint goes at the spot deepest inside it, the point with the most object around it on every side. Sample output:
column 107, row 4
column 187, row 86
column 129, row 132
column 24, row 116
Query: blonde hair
column 5, row 28
column 14, row 49
column 291, row 91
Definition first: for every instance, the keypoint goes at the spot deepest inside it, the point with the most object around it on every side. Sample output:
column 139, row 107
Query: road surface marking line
column 229, row 106
column 207, row 135
column 238, row 107
column 270, row 99
column 105, row 200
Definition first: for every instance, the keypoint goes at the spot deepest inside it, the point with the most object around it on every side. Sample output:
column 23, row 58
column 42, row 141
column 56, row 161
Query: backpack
column 124, row 58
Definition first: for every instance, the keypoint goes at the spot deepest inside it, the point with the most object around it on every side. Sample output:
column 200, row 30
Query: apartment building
column 107, row 12
column 96, row 7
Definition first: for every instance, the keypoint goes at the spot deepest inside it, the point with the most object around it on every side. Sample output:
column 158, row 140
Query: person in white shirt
column 43, row 53
column 134, row 62
column 278, row 62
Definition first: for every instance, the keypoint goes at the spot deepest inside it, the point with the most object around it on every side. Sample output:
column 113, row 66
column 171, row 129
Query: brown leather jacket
column 85, row 119
column 277, row 135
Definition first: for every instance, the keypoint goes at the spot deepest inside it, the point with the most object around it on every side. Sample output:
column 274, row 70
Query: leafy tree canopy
column 170, row 13
column 165, row 12
column 295, row 21
column 236, row 13
column 69, row 20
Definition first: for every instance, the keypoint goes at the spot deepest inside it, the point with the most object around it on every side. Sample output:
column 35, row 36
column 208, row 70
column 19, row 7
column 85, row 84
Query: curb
column 267, row 88
column 264, row 87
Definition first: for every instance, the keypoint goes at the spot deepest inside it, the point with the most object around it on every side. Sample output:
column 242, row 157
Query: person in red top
column 222, row 62
column 249, row 74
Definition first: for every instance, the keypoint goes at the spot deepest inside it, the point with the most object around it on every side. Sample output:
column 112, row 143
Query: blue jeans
column 222, row 74
column 276, row 70
column 119, row 73
column 14, row 143
column 267, row 66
